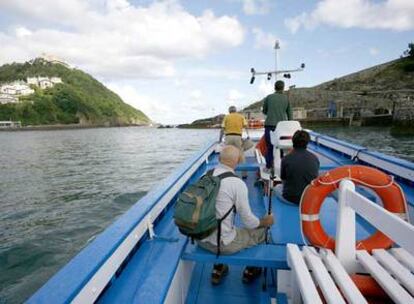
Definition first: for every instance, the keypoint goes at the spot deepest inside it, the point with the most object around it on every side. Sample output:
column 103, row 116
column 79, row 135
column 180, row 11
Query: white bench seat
column 311, row 270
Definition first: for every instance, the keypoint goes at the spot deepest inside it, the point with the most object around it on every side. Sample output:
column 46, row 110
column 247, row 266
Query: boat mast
column 276, row 47
column 275, row 72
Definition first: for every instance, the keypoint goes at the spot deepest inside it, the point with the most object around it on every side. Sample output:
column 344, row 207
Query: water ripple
column 59, row 189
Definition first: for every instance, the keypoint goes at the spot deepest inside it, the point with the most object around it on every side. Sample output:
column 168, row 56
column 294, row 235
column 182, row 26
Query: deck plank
column 326, row 284
column 303, row 278
column 393, row 289
column 347, row 286
column 259, row 256
column 401, row 273
column 404, row 257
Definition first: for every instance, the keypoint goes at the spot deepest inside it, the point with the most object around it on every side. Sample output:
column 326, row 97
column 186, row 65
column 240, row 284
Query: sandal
column 219, row 271
column 250, row 274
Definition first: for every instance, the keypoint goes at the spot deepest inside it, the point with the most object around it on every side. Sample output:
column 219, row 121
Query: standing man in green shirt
column 276, row 107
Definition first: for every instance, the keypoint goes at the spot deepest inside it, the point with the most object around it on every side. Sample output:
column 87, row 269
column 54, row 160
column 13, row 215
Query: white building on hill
column 18, row 88
column 53, row 59
column 56, row 80
column 10, row 92
column 44, row 82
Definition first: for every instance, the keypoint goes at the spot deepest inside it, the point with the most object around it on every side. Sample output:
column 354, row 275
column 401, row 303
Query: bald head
column 230, row 156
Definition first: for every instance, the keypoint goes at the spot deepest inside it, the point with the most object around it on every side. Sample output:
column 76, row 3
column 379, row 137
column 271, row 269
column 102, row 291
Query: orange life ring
column 312, row 199
column 390, row 193
column 369, row 287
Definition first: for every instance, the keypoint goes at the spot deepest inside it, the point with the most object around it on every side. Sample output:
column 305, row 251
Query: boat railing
column 398, row 167
column 391, row 269
column 396, row 227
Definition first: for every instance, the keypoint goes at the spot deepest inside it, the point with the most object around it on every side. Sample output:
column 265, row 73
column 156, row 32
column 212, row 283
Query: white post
column 345, row 229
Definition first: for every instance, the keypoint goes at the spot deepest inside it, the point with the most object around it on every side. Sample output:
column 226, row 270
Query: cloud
column 212, row 72
column 395, row 15
column 373, row 51
column 196, row 94
column 235, row 98
column 264, row 40
column 234, row 95
column 265, row 88
column 256, row 7
column 294, row 24
column 151, row 106
column 195, row 102
column 117, row 40
column 185, row 108
column 22, row 32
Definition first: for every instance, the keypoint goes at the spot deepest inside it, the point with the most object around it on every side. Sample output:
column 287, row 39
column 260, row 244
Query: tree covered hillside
column 79, row 99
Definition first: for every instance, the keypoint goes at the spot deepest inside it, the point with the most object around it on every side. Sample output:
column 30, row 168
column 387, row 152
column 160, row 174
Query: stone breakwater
column 399, row 103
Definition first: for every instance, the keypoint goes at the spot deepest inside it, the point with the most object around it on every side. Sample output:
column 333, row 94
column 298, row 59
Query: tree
column 410, row 51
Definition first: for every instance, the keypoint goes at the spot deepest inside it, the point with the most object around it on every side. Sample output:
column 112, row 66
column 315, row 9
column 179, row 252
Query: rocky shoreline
column 67, row 127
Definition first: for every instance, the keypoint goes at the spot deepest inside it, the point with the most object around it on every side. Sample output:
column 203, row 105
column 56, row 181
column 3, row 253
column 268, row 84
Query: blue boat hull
column 140, row 258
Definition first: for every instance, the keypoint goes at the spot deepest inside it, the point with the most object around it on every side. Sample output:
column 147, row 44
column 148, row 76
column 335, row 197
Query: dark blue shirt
column 298, row 169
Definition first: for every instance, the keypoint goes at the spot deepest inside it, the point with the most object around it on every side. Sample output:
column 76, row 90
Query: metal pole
column 269, row 211
column 275, row 64
column 277, row 47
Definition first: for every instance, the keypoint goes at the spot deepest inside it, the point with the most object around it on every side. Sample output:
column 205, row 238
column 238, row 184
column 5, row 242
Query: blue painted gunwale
column 360, row 149
column 151, row 269
column 66, row 283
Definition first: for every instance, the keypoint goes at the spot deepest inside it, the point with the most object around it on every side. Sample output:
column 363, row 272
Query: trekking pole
column 247, row 132
column 269, row 211
column 270, row 192
column 221, row 136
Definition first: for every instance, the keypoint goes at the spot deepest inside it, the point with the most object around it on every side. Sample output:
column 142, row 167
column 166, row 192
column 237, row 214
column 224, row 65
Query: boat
column 143, row 258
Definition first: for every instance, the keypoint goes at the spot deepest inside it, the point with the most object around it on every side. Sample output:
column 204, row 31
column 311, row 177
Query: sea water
column 59, row 189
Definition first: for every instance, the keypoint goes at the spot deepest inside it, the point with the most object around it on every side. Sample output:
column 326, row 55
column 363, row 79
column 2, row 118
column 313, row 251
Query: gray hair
column 232, row 109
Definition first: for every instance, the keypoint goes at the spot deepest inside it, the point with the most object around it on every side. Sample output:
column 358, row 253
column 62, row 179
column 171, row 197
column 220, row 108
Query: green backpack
column 195, row 210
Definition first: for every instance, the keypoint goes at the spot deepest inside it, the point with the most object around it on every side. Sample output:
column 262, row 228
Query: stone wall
column 351, row 102
column 403, row 119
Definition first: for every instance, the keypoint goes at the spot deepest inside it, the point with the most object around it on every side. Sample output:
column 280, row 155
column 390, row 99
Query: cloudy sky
column 179, row 60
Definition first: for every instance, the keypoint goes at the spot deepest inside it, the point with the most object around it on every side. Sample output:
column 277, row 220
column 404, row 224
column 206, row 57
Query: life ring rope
column 359, row 181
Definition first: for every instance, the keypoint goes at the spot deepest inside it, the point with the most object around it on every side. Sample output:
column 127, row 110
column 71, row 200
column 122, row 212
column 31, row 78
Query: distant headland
column 47, row 92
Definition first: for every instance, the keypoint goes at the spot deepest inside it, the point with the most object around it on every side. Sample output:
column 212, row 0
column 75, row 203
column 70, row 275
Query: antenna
column 276, row 72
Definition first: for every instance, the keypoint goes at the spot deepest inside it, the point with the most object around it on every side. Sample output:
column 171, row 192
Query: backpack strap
column 233, row 208
column 210, row 172
column 226, row 174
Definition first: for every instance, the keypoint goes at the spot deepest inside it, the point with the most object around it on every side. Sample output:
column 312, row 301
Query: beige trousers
column 245, row 238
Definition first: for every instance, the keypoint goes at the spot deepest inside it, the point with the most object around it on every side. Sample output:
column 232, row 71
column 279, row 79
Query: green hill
column 80, row 99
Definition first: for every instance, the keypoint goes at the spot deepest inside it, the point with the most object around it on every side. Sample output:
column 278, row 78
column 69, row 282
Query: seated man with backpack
column 231, row 198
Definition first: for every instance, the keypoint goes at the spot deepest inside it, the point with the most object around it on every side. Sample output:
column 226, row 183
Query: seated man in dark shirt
column 298, row 168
